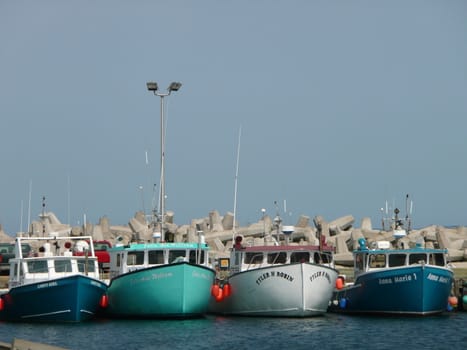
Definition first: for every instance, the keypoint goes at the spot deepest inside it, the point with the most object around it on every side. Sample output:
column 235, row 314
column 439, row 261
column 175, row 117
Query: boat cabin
column 137, row 256
column 254, row 257
column 54, row 260
column 373, row 259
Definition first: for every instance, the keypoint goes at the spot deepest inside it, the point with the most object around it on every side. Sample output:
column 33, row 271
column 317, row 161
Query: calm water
column 331, row 331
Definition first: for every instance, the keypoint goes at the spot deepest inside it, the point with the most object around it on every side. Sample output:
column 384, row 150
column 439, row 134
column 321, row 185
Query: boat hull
column 410, row 290
column 180, row 290
column 70, row 299
column 289, row 290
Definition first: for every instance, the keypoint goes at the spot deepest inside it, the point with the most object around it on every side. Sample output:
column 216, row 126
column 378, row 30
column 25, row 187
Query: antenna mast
column 235, row 187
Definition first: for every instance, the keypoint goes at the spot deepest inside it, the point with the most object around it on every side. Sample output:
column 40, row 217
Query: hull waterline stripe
column 48, row 313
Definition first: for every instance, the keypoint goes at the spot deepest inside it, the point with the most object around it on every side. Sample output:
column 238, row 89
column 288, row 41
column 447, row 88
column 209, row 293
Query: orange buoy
column 227, row 290
column 215, row 290
column 340, row 282
column 452, row 300
column 220, row 295
column 104, row 302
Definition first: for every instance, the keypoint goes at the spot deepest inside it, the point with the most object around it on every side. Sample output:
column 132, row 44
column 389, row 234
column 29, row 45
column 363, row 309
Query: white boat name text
column 397, row 279
column 436, row 278
column 47, row 285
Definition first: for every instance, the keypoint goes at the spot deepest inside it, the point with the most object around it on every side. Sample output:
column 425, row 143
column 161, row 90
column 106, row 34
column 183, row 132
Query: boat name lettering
column 200, row 275
column 397, row 279
column 280, row 274
column 151, row 277
column 46, row 285
column 320, row 274
column 437, row 278
column 384, row 281
column 405, row 278
column 95, row 283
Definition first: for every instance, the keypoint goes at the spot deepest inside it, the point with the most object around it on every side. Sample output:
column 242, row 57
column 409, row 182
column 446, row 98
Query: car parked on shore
column 7, row 252
column 101, row 251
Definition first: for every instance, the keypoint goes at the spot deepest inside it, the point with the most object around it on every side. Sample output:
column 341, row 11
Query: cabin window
column 437, row 259
column 135, row 258
column 322, row 258
column 38, row 266
column 118, row 260
column 197, row 256
column 396, row 260
column 277, row 258
column 377, row 260
column 253, row 258
column 299, row 257
column 85, row 265
column 174, row 254
column 359, row 259
column 62, row 265
column 155, row 257
column 417, row 258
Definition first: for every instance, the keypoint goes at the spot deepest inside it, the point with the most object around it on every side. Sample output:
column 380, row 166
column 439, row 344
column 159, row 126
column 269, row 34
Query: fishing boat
column 276, row 278
column 53, row 284
column 395, row 279
column 159, row 280
column 463, row 296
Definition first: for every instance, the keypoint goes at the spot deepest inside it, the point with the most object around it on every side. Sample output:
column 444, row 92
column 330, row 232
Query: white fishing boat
column 275, row 279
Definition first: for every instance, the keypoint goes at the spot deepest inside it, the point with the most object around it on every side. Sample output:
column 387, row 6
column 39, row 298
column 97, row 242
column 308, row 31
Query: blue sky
column 342, row 104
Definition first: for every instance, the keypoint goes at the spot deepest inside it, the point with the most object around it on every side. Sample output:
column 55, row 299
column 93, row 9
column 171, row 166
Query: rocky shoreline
column 218, row 232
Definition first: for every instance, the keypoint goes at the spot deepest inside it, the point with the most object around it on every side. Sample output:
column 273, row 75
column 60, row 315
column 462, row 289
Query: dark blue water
column 330, row 331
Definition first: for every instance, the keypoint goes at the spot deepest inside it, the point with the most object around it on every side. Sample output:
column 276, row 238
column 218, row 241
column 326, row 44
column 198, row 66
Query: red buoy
column 215, row 290
column 220, row 295
column 227, row 290
column 2, row 305
column 340, row 282
column 104, row 302
column 452, row 300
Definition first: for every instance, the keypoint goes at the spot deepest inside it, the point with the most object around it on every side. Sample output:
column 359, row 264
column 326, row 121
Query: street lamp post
column 152, row 86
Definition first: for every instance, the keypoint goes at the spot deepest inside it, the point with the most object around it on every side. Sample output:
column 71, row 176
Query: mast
column 236, row 184
column 29, row 208
column 162, row 184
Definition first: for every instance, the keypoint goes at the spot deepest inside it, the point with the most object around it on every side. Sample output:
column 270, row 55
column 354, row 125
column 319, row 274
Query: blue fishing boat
column 159, row 280
column 411, row 281
column 395, row 279
column 53, row 284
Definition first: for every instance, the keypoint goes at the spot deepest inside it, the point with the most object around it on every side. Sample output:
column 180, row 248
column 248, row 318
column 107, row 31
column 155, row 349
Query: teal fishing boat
column 159, row 280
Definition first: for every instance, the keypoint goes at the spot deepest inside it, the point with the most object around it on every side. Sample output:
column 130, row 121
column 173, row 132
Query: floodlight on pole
column 152, row 86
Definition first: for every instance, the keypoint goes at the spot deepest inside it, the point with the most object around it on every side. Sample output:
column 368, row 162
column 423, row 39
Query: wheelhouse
column 262, row 256
column 367, row 260
column 50, row 263
column 138, row 256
